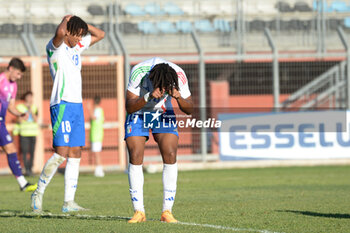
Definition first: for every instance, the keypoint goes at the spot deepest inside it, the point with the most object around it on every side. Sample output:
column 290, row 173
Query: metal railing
column 326, row 91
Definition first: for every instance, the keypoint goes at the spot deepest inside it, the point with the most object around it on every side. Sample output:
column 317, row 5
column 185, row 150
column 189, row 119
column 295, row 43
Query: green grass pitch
column 296, row 199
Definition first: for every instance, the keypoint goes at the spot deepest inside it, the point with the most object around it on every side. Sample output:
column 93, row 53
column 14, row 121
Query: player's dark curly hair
column 164, row 76
column 17, row 63
column 76, row 26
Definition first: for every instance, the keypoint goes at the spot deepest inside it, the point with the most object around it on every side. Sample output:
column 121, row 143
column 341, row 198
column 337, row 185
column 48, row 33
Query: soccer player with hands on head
column 72, row 37
column 152, row 85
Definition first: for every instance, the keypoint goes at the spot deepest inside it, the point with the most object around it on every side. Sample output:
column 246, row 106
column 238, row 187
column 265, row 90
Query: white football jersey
column 65, row 69
column 140, row 84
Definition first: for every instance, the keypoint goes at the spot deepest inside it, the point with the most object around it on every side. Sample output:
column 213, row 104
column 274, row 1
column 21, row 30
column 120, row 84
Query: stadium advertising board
column 285, row 135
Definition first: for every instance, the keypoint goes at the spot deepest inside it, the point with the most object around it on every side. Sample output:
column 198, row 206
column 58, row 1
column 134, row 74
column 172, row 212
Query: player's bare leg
column 168, row 143
column 136, row 147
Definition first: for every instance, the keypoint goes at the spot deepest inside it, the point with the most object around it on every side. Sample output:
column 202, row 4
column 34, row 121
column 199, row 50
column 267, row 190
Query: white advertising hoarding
column 287, row 135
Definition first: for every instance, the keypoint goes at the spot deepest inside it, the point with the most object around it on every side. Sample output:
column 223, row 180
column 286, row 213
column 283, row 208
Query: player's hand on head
column 157, row 93
column 174, row 93
column 67, row 17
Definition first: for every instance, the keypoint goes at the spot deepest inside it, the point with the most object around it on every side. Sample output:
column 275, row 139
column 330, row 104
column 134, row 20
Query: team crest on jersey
column 129, row 129
column 66, row 138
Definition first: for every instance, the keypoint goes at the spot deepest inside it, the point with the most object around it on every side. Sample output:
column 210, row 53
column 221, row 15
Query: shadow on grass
column 315, row 214
column 48, row 215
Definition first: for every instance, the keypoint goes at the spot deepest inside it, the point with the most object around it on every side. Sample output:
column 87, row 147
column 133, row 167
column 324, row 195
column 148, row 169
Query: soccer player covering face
column 152, row 85
column 8, row 90
column 72, row 37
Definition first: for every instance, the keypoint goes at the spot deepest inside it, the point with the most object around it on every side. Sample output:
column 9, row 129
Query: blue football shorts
column 139, row 124
column 68, row 126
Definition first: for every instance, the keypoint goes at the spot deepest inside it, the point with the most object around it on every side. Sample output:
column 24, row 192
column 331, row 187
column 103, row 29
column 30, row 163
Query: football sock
column 14, row 164
column 49, row 171
column 169, row 185
column 136, row 186
column 71, row 178
column 21, row 181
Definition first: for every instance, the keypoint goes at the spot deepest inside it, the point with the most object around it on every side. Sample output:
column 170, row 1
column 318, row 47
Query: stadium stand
column 153, row 9
column 147, row 27
column 222, row 25
column 204, row 26
column 129, row 28
column 302, row 7
column 134, row 10
column 347, row 22
column 95, row 10
column 340, row 6
column 184, row 26
column 283, row 6
column 257, row 25
column 166, row 27
column 171, row 8
column 174, row 18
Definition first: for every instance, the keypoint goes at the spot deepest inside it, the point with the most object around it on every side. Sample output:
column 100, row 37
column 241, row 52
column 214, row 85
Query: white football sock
column 49, row 171
column 136, row 186
column 71, row 178
column 169, row 185
column 21, row 181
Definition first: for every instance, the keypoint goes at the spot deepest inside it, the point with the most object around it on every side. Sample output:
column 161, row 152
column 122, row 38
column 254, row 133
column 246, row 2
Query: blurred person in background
column 27, row 128
column 73, row 36
column 96, row 135
column 8, row 91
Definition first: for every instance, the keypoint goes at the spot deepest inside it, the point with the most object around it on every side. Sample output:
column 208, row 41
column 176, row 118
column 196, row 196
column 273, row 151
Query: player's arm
column 186, row 105
column 134, row 102
column 96, row 34
column 13, row 110
column 61, row 31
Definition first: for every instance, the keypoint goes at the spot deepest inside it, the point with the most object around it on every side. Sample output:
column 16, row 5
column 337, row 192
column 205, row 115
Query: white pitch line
column 103, row 217
column 225, row 228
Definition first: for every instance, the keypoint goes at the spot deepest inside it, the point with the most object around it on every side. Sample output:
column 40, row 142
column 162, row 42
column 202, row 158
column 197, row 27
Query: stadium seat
column 95, row 10
column 340, row 6
column 166, row 27
column 134, row 10
column 257, row 25
column 172, row 9
column 153, row 9
column 128, row 28
column 302, row 7
column 204, row 25
column 347, row 22
column 147, row 27
column 184, row 26
column 10, row 28
column 222, row 25
column 48, row 28
column 283, row 6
